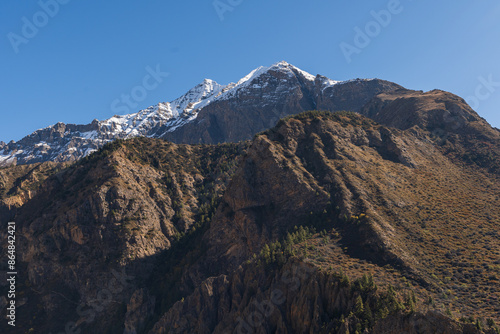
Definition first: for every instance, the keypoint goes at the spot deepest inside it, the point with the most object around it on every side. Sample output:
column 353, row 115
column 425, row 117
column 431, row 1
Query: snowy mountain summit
column 207, row 113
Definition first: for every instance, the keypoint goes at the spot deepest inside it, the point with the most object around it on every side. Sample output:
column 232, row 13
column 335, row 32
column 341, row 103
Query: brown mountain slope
column 404, row 109
column 144, row 236
column 107, row 215
column 458, row 129
column 299, row 298
column 19, row 184
column 401, row 209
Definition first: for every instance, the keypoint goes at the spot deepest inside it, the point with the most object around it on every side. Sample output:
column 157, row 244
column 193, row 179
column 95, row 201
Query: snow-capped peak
column 185, row 108
column 282, row 66
column 197, row 97
column 266, row 84
column 251, row 76
column 175, row 113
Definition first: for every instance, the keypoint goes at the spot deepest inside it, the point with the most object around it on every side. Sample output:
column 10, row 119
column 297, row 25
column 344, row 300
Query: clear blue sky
column 90, row 52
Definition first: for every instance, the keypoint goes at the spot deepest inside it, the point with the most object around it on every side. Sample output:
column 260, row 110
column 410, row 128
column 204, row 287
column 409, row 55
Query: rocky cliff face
column 328, row 222
column 297, row 298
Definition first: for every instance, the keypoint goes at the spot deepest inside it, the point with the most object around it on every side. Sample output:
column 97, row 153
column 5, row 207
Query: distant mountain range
column 208, row 113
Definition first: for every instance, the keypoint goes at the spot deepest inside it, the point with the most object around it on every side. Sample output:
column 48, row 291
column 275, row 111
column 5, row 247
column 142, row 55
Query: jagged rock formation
column 294, row 299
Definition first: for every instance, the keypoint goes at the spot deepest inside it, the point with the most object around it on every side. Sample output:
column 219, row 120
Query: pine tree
column 358, row 307
column 479, row 325
column 367, row 315
column 266, row 253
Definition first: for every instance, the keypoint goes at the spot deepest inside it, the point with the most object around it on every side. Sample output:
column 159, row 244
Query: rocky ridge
column 208, row 113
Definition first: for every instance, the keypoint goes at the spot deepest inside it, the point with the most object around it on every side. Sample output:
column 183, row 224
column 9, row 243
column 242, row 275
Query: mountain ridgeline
column 208, row 113
column 253, row 215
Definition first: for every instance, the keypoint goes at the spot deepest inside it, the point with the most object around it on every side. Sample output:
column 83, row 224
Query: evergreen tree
column 359, row 307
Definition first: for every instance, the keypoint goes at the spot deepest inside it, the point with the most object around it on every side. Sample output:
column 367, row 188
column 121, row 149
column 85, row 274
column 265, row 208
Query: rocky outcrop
column 447, row 117
column 140, row 307
column 435, row 111
column 20, row 184
column 296, row 298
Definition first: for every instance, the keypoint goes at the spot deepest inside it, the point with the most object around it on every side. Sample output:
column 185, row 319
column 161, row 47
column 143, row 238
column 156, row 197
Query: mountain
column 208, row 113
column 327, row 222
column 233, row 209
column 458, row 129
column 266, row 95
